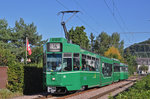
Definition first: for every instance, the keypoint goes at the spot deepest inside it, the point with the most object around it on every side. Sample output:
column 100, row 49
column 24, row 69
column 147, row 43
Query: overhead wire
column 132, row 32
column 123, row 29
column 113, row 16
column 62, row 4
column 121, row 18
column 77, row 17
column 96, row 23
column 90, row 16
column 112, row 12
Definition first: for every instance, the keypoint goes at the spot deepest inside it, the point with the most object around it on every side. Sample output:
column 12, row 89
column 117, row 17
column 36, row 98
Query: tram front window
column 54, row 62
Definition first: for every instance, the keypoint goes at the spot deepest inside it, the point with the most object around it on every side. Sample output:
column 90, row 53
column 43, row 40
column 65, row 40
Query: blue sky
column 96, row 15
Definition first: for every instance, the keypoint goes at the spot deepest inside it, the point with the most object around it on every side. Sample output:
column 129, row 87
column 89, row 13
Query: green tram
column 67, row 67
column 123, row 71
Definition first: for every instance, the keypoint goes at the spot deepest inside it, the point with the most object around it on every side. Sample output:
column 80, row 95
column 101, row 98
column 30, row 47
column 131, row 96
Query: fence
column 3, row 77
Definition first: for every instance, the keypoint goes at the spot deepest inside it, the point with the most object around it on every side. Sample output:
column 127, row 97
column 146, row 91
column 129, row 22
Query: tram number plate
column 51, row 89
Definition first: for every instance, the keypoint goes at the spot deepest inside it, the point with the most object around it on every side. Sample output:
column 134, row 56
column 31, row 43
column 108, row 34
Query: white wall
column 142, row 71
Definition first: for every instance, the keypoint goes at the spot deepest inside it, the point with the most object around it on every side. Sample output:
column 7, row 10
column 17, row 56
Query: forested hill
column 141, row 49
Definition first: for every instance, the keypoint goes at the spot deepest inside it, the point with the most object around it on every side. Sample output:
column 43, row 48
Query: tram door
column 106, row 71
column 100, row 68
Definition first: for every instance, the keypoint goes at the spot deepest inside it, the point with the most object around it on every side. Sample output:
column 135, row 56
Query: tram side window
column 89, row 65
column 116, row 68
column 76, row 61
column 123, row 69
column 97, row 65
column 83, row 62
column 126, row 69
column 92, row 64
column 67, row 62
column 107, row 69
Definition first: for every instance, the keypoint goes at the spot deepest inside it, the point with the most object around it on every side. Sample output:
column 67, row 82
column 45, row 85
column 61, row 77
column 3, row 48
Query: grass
column 5, row 94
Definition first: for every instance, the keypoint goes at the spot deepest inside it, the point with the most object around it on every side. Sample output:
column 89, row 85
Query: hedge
column 33, row 80
column 15, row 70
column 26, row 79
column 15, row 77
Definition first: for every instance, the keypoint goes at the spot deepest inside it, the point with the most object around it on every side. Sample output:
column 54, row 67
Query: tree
column 121, row 48
column 5, row 34
column 143, row 68
column 115, row 38
column 113, row 52
column 14, row 38
column 115, row 41
column 21, row 31
column 36, row 56
column 26, row 30
column 92, row 41
column 131, row 61
column 78, row 36
column 102, row 43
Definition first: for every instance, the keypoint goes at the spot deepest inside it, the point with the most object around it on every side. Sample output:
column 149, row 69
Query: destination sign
column 54, row 47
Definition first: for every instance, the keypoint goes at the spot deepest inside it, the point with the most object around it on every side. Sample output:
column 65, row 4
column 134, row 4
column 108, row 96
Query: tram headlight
column 53, row 78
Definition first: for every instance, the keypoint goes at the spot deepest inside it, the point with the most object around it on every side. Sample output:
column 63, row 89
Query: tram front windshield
column 54, row 62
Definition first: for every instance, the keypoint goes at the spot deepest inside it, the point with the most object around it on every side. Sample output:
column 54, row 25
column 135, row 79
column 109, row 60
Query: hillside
column 141, row 49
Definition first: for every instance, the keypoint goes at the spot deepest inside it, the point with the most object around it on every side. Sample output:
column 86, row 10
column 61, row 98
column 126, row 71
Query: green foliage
column 140, row 90
column 78, row 36
column 131, row 61
column 5, row 32
column 14, row 38
column 92, row 41
column 21, row 31
column 5, row 57
column 15, row 70
column 103, row 42
column 12, row 49
column 15, row 77
column 140, row 47
column 37, row 55
column 143, row 68
column 135, row 94
column 5, row 94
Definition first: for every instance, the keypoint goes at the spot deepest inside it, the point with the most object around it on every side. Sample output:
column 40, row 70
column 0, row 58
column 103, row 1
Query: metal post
column 26, row 50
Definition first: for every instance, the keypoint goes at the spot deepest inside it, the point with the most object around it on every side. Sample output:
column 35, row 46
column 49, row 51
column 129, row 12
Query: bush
column 15, row 70
column 140, row 90
column 15, row 77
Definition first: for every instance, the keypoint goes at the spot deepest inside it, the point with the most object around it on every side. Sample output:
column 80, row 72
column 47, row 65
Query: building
column 143, row 61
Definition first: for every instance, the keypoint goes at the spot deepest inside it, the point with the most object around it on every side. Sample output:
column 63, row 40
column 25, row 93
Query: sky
column 130, row 18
